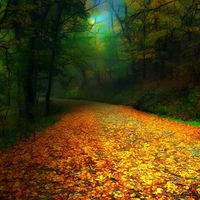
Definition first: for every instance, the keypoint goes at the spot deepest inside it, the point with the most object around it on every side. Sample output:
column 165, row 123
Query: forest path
column 102, row 151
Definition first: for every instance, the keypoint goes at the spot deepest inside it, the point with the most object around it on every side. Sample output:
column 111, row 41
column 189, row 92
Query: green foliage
column 182, row 103
column 119, row 98
column 123, row 97
column 75, row 93
column 51, row 39
column 18, row 129
column 193, row 123
column 14, row 133
column 154, row 102
column 162, row 110
column 34, row 38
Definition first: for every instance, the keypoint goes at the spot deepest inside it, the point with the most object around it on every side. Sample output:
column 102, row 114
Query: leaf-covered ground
column 101, row 151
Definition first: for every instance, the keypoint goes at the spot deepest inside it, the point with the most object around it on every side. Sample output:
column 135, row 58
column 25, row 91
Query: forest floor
column 102, row 151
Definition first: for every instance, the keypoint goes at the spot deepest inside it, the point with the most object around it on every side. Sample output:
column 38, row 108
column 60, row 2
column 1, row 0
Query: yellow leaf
column 132, row 195
column 146, row 180
column 100, row 178
column 198, row 190
column 171, row 187
column 158, row 191
column 117, row 194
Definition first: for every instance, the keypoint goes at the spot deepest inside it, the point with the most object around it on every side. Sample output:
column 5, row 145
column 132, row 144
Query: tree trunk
column 48, row 93
column 144, row 48
column 53, row 55
column 29, row 86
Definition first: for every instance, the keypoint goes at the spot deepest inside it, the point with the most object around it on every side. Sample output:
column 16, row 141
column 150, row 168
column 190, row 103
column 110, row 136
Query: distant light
column 92, row 21
column 103, row 17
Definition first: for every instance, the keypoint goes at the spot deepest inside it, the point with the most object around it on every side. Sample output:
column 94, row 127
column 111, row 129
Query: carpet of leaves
column 101, row 151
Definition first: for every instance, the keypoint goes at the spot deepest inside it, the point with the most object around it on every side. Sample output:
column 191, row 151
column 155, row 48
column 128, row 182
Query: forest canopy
column 81, row 43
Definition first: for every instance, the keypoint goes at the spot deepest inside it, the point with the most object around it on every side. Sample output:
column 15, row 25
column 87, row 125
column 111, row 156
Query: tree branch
column 147, row 10
column 5, row 13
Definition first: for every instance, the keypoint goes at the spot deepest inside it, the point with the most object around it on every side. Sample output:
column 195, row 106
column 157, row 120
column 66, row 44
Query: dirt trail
column 102, row 151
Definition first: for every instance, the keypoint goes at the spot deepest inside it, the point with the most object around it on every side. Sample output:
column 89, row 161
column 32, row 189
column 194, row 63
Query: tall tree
column 34, row 29
column 66, row 14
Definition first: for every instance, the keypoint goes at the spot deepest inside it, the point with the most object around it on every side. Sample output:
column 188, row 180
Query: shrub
column 162, row 110
column 76, row 93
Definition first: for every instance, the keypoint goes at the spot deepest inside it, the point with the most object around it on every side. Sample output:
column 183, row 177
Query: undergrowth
column 182, row 104
column 192, row 123
column 19, row 129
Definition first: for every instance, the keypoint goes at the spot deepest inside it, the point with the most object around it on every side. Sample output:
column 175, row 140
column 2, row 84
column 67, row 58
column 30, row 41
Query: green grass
column 17, row 130
column 192, row 123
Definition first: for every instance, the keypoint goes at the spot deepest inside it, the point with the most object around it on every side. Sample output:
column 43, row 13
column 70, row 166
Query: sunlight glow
column 92, row 21
column 100, row 21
